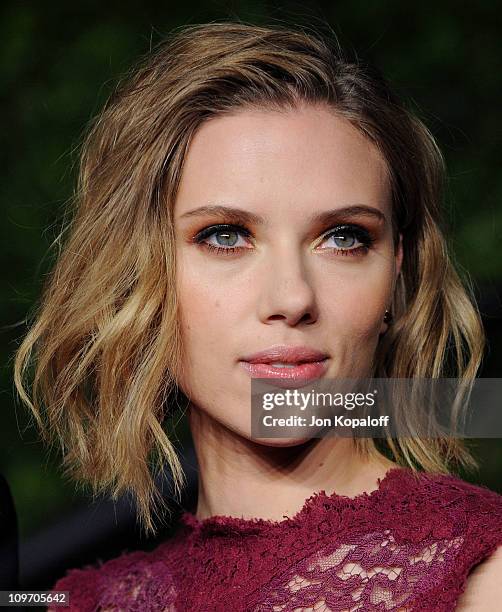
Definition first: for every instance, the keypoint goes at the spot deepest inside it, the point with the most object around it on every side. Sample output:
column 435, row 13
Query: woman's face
column 279, row 275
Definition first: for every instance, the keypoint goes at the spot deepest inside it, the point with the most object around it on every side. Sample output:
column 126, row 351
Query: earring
column 388, row 316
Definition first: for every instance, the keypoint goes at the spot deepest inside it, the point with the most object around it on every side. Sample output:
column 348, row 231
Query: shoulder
column 483, row 586
column 129, row 581
column 448, row 493
column 472, row 513
column 481, row 505
column 442, row 505
column 454, row 528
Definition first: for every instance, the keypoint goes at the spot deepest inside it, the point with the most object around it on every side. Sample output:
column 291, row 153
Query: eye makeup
column 353, row 233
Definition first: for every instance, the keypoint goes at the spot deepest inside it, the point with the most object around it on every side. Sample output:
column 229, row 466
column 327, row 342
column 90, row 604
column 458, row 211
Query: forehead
column 307, row 158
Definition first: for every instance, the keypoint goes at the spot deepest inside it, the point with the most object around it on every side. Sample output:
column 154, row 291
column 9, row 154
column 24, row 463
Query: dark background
column 59, row 62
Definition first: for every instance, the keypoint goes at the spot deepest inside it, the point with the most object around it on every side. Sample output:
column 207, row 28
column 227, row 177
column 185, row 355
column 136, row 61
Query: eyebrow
column 238, row 215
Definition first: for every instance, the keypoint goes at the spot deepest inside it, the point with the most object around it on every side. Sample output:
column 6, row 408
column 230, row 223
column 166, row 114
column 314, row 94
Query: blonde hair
column 105, row 341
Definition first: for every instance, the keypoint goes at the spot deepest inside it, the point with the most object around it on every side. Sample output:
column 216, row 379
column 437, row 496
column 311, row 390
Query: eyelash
column 361, row 234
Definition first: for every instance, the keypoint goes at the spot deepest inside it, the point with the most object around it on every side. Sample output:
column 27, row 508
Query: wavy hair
column 103, row 347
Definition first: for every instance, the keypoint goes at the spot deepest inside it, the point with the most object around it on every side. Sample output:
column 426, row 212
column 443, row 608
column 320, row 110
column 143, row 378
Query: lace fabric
column 408, row 545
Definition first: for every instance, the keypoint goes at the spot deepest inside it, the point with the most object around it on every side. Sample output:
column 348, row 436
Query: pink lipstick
column 288, row 364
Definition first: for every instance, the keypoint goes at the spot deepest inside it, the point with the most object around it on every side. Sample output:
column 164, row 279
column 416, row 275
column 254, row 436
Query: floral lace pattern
column 408, row 545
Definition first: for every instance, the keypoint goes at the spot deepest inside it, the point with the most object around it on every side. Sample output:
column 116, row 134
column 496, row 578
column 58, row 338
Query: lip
column 312, row 364
column 286, row 354
column 287, row 378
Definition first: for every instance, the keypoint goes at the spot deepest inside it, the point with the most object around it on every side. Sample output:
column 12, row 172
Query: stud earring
column 388, row 317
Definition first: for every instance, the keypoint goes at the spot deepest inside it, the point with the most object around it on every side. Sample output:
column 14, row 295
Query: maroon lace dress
column 408, row 545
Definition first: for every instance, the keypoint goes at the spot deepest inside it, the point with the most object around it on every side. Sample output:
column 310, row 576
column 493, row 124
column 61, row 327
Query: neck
column 241, row 478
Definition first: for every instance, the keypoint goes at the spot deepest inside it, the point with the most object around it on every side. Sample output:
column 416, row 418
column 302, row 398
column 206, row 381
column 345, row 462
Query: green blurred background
column 59, row 62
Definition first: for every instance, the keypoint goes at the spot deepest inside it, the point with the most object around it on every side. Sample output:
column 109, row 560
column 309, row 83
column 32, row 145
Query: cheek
column 356, row 302
column 209, row 310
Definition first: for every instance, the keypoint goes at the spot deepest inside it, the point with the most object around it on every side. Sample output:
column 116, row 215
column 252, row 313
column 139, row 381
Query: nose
column 287, row 292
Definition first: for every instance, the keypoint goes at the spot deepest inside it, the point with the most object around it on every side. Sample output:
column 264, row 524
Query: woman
column 249, row 195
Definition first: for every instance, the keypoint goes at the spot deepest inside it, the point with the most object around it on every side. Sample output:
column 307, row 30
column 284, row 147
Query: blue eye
column 227, row 238
column 345, row 236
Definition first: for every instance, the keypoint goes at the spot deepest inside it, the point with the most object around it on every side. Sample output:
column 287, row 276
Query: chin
column 281, row 442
